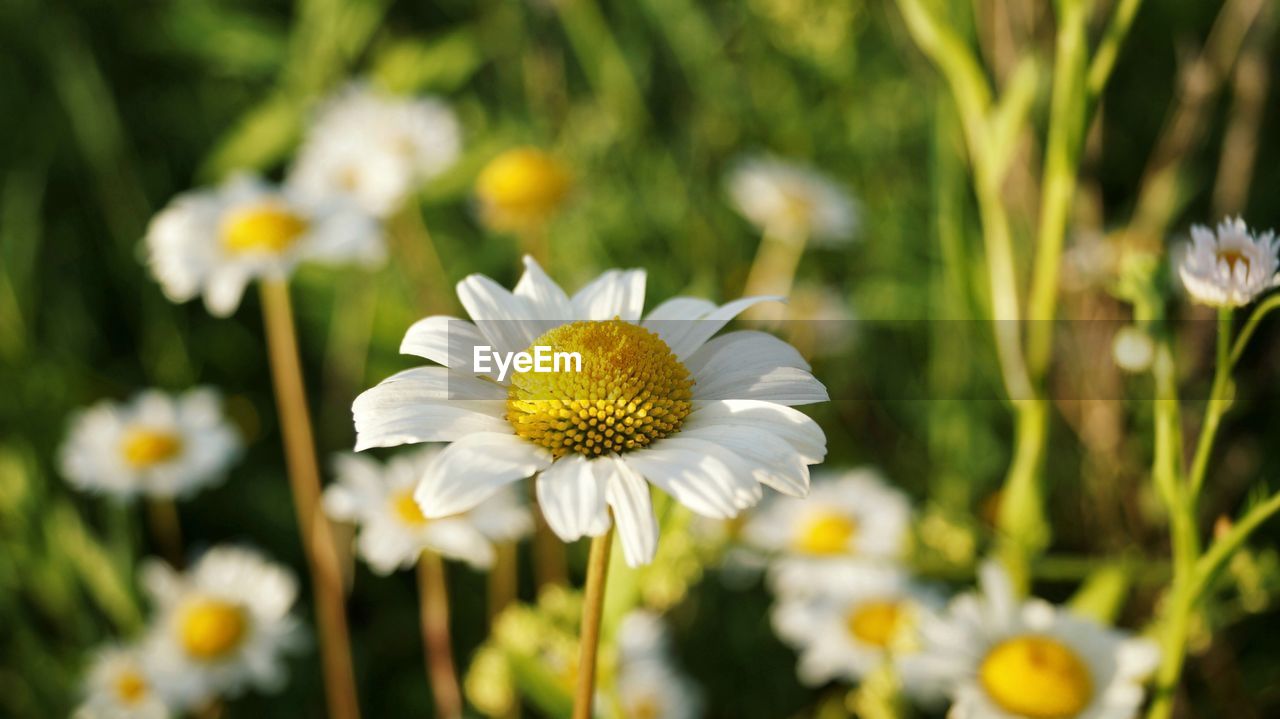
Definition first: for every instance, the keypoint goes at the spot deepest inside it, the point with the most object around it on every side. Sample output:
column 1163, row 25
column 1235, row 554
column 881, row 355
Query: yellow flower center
column 265, row 228
column 148, row 447
column 631, row 390
column 876, row 623
column 1234, row 257
column 1036, row 677
column 647, row 708
column 130, row 686
column 826, row 533
column 407, row 510
column 521, row 187
column 212, row 628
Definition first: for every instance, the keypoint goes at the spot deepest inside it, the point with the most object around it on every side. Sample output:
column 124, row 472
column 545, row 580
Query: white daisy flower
column 222, row 626
column 393, row 529
column 375, row 148
column 156, row 445
column 792, row 201
column 706, row 420
column 1231, row 267
column 849, row 514
column 1006, row 659
column 855, row 619
column 213, row 242
column 649, row 684
column 121, row 685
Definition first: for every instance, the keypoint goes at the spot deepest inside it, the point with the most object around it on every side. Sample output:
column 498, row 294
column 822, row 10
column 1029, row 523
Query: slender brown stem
column 593, row 608
column 773, row 273
column 166, row 529
column 433, row 597
column 503, row 579
column 304, row 480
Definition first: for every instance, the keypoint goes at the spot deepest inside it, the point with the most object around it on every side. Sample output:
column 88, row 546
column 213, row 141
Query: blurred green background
column 111, row 108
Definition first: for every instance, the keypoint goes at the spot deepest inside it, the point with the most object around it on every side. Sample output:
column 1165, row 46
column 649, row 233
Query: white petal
column 796, row 428
column 781, row 385
column 742, row 349
column 702, row 476
column 416, row 406
column 457, row 539
column 616, row 293
column 674, row 319
column 571, row 494
column 471, row 469
column 628, row 495
column 506, row 320
column 548, row 301
column 445, row 340
column 223, row 291
column 775, row 463
column 712, row 322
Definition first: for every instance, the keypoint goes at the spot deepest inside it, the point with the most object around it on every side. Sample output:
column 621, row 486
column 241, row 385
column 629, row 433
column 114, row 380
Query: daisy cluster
column 847, row 601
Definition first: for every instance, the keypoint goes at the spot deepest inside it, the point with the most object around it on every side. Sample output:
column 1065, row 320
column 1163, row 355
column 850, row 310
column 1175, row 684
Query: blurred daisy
column 222, row 626
column 847, row 514
column 1005, row 659
column 120, row 685
column 521, row 189
column 375, row 148
column 1133, row 349
column 213, row 242
column 1229, row 268
column 791, row 201
column 856, row 618
column 649, row 684
column 706, row 420
column 156, row 445
column 394, row 531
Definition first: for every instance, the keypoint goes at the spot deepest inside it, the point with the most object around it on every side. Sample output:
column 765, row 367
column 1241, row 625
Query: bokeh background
column 110, row 108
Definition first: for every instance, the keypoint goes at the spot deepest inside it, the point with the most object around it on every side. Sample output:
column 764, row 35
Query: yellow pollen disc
column 267, row 228
column 646, row 708
column 826, row 533
column 130, row 686
column 521, row 187
column 212, row 629
column 407, row 509
column 1232, row 257
column 1036, row 677
column 146, row 447
column 631, row 390
column 876, row 623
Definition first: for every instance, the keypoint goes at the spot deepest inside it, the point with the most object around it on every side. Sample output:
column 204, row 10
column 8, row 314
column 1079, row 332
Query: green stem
column 1219, row 401
column 1255, row 318
column 1224, row 547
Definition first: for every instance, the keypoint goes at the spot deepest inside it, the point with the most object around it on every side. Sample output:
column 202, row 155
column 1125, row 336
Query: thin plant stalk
column 166, row 529
column 773, row 272
column 433, row 598
column 304, row 481
column 503, row 579
column 592, row 611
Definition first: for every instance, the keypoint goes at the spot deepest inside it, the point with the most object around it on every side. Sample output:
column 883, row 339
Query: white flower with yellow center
column 121, row 685
column 855, row 618
column 849, row 514
column 156, row 445
column 1010, row 659
column 791, row 201
column 394, row 531
column 223, row 626
column 521, row 189
column 706, row 420
column 1230, row 267
column 375, row 148
column 214, row 242
column 649, row 684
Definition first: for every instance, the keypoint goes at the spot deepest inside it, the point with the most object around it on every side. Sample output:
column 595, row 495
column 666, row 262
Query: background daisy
column 375, row 148
column 120, row 684
column 213, row 242
column 790, row 200
column 222, row 626
column 1228, row 267
column 155, row 445
column 393, row 531
column 1008, row 659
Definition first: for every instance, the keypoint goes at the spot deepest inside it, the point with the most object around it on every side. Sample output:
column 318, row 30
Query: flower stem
column 304, row 480
column 773, row 273
column 593, row 609
column 433, row 596
column 166, row 529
